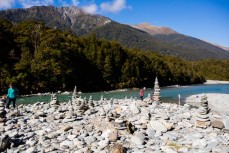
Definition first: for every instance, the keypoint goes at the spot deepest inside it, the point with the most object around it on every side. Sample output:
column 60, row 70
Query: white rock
column 158, row 126
column 137, row 140
column 66, row 143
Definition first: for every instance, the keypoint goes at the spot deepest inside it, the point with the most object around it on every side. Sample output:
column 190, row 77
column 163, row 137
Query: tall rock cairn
column 202, row 118
column 75, row 95
column 2, row 113
column 156, row 94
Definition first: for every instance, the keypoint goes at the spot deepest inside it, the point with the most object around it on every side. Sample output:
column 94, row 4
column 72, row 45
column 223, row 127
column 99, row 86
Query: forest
column 40, row 59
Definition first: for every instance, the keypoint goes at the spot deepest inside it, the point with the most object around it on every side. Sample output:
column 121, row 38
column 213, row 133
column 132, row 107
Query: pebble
column 56, row 129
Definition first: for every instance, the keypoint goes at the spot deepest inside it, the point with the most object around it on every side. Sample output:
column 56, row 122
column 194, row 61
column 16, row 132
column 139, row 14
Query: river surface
column 168, row 94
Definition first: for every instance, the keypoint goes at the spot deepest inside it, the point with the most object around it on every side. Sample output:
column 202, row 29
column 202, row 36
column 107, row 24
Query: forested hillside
column 80, row 23
column 41, row 59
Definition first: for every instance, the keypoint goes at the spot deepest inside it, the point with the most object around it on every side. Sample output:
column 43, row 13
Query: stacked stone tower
column 74, row 94
column 90, row 103
column 202, row 118
column 54, row 100
column 156, row 95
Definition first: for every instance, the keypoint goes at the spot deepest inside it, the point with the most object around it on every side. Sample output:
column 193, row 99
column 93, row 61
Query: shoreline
column 217, row 102
column 216, row 82
column 208, row 82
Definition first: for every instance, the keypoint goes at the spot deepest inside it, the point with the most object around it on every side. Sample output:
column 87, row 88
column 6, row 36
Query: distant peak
column 144, row 24
column 154, row 30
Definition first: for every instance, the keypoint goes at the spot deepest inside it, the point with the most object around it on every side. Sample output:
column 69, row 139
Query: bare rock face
column 154, row 30
column 4, row 143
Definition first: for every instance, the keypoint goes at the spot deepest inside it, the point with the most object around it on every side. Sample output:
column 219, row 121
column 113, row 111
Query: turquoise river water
column 168, row 94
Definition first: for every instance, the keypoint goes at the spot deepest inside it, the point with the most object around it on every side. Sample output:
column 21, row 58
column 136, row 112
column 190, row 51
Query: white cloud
column 91, row 9
column 75, row 2
column 29, row 3
column 113, row 7
column 5, row 4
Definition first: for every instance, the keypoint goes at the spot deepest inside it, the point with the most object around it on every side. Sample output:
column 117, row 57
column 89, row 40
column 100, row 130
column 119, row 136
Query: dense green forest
column 39, row 59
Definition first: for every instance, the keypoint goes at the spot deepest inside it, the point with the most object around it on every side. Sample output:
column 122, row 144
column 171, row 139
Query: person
column 141, row 93
column 11, row 95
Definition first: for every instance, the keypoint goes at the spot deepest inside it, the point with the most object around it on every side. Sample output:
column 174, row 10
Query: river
column 168, row 94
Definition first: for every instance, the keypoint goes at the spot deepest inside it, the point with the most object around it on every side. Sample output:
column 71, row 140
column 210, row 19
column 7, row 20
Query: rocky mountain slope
column 154, row 30
column 162, row 40
column 64, row 18
column 195, row 46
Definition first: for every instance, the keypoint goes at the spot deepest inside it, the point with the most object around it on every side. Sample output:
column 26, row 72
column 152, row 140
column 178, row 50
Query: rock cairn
column 90, row 103
column 79, row 106
column 202, row 118
column 74, row 95
column 134, row 128
column 54, row 100
column 156, row 94
column 2, row 113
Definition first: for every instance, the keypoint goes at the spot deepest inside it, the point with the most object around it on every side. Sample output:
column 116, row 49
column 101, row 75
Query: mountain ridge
column 82, row 24
column 154, row 30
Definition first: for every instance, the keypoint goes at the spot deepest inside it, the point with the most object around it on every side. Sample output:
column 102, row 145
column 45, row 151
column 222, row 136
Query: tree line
column 41, row 59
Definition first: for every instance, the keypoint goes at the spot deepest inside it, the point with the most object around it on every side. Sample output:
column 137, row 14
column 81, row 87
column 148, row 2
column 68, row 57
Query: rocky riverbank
column 115, row 126
column 216, row 82
column 217, row 102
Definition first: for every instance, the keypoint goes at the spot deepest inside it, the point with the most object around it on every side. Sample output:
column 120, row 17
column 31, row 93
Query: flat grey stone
column 212, row 145
column 225, row 121
column 61, row 138
column 66, row 143
column 137, row 140
column 158, row 126
column 90, row 139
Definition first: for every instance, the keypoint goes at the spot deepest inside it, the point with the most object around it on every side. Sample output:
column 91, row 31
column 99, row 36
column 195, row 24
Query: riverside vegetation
column 41, row 59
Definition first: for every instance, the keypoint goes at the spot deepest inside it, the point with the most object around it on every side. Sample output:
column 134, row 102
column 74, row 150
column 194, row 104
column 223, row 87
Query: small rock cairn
column 54, row 100
column 156, row 94
column 78, row 103
column 2, row 113
column 90, row 103
column 202, row 118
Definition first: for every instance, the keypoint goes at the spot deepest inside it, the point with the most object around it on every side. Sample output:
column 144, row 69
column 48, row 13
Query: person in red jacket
column 141, row 93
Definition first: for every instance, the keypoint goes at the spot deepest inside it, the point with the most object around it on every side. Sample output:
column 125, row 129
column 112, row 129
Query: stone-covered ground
column 124, row 125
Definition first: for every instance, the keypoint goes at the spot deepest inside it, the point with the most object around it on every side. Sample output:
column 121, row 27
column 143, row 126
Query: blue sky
column 204, row 19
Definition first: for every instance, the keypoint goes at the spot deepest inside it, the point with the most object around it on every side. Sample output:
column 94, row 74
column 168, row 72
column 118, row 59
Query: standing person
column 11, row 96
column 141, row 93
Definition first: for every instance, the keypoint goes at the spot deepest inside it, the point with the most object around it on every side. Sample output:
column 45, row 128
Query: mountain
column 220, row 46
column 145, row 37
column 154, row 30
column 196, row 48
column 171, row 43
column 63, row 18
